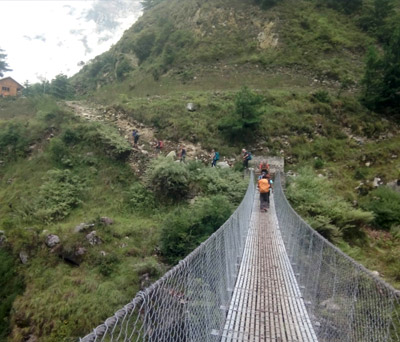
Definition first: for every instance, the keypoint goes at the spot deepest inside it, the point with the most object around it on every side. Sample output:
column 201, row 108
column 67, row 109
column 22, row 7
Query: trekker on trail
column 246, row 157
column 159, row 146
column 136, row 136
column 264, row 188
column 215, row 158
column 183, row 154
column 264, row 167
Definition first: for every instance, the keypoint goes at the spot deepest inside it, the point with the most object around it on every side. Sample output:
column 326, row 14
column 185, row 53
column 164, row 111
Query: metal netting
column 345, row 301
column 189, row 302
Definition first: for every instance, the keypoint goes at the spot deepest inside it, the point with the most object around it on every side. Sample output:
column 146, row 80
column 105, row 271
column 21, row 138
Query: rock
column 80, row 251
column 376, row 182
column 368, row 164
column 32, row 338
column 23, row 256
column 223, row 165
column 395, row 185
column 106, row 221
column 330, row 305
column 144, row 281
column 52, row 240
column 171, row 154
column 1, row 162
column 93, row 239
column 191, row 107
column 102, row 253
column 73, row 257
column 375, row 273
column 82, row 227
column 3, row 239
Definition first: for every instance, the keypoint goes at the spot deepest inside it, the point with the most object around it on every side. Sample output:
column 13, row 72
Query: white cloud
column 45, row 38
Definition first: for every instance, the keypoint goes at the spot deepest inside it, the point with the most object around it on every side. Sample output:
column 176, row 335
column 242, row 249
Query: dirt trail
column 147, row 140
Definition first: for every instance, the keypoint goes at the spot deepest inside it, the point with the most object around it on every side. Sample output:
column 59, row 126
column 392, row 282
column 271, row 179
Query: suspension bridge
column 261, row 277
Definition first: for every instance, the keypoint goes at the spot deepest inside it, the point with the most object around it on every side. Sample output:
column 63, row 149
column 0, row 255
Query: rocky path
column 146, row 147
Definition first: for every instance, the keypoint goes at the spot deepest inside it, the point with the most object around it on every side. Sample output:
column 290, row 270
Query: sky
column 45, row 38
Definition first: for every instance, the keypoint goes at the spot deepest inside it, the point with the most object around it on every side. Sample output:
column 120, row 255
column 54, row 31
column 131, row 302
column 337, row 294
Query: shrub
column 168, row 179
column 213, row 181
column 385, row 204
column 318, row 163
column 11, row 285
column 122, row 69
column 185, row 228
column 138, row 198
column 58, row 195
column 321, row 96
column 109, row 139
column 13, row 140
column 315, row 199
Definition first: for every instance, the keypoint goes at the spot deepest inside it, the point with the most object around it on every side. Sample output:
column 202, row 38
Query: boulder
column 171, row 154
column 82, row 227
column 106, row 221
column 23, row 256
column 376, row 182
column 93, row 239
column 330, row 305
column 223, row 165
column 74, row 257
column 191, row 107
column 52, row 240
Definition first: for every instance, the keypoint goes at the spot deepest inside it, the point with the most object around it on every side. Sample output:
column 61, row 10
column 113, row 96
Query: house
column 9, row 87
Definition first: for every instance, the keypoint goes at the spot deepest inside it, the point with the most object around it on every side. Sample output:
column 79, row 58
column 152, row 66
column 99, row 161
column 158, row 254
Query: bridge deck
column 266, row 303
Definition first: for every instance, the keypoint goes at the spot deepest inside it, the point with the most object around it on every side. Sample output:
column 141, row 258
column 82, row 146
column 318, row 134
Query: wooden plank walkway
column 266, row 303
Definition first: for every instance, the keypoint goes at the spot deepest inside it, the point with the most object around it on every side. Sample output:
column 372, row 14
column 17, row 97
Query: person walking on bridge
column 264, row 187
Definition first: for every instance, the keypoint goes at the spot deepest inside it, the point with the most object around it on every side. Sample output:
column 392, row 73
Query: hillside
column 87, row 219
column 224, row 44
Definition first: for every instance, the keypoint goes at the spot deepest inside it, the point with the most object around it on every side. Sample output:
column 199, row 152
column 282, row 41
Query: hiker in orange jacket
column 264, row 187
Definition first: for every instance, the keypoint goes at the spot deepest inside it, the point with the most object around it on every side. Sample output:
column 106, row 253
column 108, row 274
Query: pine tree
column 3, row 65
column 382, row 78
column 391, row 74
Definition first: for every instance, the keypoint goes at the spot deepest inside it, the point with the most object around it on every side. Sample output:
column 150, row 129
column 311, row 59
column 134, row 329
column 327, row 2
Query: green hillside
column 285, row 78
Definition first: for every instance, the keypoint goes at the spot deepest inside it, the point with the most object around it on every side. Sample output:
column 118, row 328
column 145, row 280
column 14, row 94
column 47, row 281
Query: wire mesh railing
column 189, row 302
column 345, row 301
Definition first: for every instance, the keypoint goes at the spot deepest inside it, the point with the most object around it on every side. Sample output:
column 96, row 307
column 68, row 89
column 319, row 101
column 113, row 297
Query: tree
column 376, row 18
column 147, row 4
column 144, row 45
column 3, row 64
column 344, row 6
column 246, row 117
column 265, row 4
column 381, row 80
column 60, row 87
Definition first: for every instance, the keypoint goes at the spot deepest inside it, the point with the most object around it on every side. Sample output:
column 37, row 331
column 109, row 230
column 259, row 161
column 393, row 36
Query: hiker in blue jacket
column 215, row 158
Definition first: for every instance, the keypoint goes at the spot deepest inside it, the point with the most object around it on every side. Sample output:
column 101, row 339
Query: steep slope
column 223, row 44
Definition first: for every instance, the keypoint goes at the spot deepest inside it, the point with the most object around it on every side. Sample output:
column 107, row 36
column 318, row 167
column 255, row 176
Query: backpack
column 264, row 185
column 249, row 156
column 216, row 157
column 160, row 144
